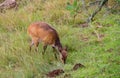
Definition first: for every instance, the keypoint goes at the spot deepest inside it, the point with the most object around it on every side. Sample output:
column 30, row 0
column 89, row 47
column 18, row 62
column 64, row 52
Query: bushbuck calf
column 42, row 32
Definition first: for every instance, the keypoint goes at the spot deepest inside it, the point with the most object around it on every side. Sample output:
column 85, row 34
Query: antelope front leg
column 54, row 50
column 44, row 49
column 32, row 43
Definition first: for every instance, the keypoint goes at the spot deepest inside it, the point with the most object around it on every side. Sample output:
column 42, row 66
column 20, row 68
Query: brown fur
column 78, row 65
column 42, row 32
column 55, row 73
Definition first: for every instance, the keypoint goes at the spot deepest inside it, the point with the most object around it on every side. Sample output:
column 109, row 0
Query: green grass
column 100, row 58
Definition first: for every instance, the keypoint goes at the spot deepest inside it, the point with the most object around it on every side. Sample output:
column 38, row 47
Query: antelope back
column 43, row 32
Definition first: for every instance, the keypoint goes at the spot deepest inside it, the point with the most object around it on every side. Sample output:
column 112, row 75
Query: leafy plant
column 74, row 7
column 118, row 1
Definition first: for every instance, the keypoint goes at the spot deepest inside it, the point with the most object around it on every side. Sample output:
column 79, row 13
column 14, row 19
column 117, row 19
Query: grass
column 100, row 58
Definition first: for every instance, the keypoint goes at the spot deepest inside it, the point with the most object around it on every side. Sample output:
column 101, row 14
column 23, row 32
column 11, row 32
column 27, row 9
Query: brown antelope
column 42, row 32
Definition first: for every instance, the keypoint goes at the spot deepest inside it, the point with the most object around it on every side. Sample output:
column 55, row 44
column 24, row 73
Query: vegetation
column 96, row 46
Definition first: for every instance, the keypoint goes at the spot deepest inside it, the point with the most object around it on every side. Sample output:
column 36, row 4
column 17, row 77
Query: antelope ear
column 60, row 49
